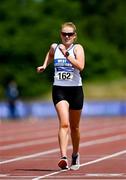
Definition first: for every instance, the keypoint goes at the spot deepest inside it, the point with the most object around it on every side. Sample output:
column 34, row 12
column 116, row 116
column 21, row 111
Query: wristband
column 67, row 54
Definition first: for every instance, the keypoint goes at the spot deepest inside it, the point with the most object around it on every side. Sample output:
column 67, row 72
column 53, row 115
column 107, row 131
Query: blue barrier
column 46, row 109
column 105, row 108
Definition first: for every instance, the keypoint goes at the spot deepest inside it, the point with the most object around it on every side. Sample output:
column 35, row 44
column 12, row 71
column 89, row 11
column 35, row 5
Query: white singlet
column 65, row 74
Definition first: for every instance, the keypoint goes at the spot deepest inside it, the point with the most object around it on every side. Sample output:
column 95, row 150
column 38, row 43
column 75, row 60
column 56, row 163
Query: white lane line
column 28, row 135
column 85, row 164
column 111, row 175
column 104, row 158
column 30, row 156
column 4, row 175
column 15, row 130
column 94, row 175
column 51, row 174
column 82, row 176
column 29, row 143
column 50, row 140
column 103, row 140
column 85, row 144
column 18, row 177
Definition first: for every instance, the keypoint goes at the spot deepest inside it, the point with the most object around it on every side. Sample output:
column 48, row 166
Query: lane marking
column 28, row 135
column 50, row 140
column 85, row 144
column 104, row 158
column 105, row 175
column 30, row 156
column 4, row 175
column 85, row 164
column 80, row 176
column 29, row 143
column 51, row 174
column 18, row 176
column 39, row 133
column 14, row 128
column 104, row 140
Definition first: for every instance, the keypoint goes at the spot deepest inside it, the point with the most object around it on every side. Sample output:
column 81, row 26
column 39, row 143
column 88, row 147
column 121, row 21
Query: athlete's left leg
column 75, row 136
column 74, row 118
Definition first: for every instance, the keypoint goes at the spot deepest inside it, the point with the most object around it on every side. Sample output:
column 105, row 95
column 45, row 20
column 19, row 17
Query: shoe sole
column 63, row 164
column 74, row 167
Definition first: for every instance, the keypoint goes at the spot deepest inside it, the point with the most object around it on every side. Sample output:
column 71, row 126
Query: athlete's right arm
column 48, row 59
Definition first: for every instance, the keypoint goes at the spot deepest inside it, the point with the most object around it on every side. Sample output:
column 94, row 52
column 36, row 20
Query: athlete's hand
column 62, row 48
column 40, row 69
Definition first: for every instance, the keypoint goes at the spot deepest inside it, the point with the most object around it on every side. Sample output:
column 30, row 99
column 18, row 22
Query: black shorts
column 72, row 94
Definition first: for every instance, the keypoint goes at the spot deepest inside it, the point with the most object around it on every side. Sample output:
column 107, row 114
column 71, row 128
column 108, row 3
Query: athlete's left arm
column 79, row 60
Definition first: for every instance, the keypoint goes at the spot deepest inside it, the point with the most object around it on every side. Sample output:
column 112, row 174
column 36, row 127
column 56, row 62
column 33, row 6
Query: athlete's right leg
column 62, row 108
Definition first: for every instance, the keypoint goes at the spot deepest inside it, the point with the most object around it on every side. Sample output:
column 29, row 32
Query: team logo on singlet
column 63, row 69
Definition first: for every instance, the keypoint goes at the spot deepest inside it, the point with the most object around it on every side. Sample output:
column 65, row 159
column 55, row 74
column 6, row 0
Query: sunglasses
column 67, row 34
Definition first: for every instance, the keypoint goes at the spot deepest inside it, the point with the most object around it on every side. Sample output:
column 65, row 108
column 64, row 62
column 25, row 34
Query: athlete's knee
column 74, row 129
column 64, row 125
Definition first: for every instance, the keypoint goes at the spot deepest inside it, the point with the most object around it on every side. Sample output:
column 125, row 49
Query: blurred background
column 29, row 27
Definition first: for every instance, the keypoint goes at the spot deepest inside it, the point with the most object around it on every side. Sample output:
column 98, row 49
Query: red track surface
column 29, row 150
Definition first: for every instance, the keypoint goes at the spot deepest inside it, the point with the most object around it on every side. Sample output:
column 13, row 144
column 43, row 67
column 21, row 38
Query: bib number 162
column 64, row 75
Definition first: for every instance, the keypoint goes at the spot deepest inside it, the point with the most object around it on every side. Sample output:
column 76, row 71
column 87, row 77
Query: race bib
column 64, row 75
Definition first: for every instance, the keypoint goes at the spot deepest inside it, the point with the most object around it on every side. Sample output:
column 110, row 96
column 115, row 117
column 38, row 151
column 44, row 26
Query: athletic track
column 29, row 149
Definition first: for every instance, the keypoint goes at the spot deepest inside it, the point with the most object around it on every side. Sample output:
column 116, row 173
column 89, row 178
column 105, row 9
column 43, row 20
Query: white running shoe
column 63, row 163
column 75, row 164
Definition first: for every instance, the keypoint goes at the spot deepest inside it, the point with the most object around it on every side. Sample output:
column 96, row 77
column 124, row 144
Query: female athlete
column 67, row 91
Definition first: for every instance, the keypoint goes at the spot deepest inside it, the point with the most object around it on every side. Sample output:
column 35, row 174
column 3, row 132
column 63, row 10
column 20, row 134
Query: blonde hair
column 70, row 24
